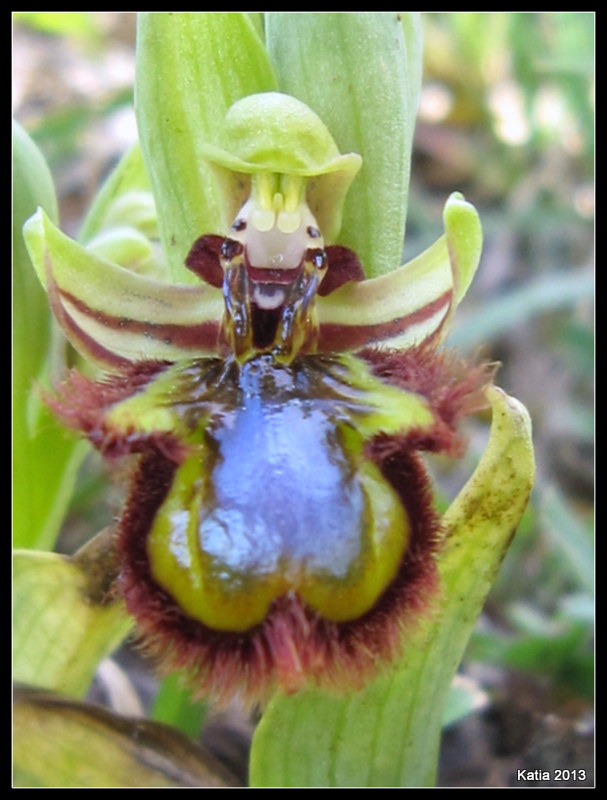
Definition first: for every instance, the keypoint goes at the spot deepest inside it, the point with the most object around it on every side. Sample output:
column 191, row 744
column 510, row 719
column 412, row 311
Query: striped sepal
column 414, row 303
column 113, row 316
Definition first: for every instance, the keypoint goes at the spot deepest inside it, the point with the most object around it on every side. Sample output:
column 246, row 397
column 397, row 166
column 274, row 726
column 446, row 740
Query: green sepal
column 389, row 733
column 273, row 132
column 464, row 237
column 415, row 302
column 112, row 315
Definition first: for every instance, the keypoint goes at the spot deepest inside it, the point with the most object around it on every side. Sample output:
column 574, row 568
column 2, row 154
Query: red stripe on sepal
column 336, row 337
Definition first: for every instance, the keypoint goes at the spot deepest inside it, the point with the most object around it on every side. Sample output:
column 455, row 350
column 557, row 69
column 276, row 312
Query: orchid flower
column 280, row 530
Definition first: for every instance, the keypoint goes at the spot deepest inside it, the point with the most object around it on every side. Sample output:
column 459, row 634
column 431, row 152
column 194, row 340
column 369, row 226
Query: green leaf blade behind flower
column 191, row 67
column 388, row 734
column 175, row 706
column 45, row 457
column 361, row 73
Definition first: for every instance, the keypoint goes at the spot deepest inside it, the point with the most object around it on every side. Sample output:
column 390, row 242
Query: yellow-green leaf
column 65, row 620
column 59, row 743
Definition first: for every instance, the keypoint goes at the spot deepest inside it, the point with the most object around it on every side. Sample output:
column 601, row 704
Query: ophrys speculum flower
column 279, row 526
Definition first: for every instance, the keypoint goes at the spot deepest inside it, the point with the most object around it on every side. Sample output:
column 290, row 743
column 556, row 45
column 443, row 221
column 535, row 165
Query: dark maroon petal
column 344, row 266
column 203, row 259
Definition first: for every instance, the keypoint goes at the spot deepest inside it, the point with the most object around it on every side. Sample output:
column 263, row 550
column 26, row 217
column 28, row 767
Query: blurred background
column 506, row 117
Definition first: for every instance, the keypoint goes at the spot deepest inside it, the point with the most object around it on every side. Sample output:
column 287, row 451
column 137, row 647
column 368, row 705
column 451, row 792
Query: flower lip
column 304, row 632
column 294, row 645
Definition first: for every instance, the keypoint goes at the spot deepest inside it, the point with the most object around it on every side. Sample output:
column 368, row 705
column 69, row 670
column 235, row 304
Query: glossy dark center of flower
column 283, row 490
column 276, row 497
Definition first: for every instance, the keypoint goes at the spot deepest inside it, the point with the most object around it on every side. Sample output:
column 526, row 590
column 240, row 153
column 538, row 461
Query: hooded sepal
column 275, row 133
